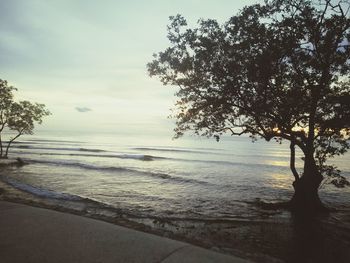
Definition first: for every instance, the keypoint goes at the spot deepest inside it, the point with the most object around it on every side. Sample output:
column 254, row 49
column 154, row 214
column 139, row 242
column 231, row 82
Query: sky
column 86, row 60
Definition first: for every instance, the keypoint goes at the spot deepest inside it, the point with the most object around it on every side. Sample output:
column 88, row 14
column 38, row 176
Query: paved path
column 35, row 235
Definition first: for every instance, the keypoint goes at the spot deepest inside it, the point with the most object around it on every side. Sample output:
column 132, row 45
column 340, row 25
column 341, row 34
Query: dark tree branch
column 292, row 161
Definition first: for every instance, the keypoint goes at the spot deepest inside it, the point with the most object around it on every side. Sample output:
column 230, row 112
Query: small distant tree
column 277, row 70
column 6, row 100
column 23, row 116
column 19, row 117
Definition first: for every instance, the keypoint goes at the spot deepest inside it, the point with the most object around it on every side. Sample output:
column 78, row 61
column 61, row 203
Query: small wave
column 230, row 163
column 58, row 148
column 81, row 165
column 42, row 192
column 121, row 169
column 22, row 146
column 141, row 157
column 167, row 150
column 15, row 143
column 209, row 151
column 138, row 157
column 91, row 150
column 58, row 141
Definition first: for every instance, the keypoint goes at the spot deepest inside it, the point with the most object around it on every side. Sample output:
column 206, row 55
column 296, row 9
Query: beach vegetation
column 6, row 100
column 278, row 71
column 17, row 117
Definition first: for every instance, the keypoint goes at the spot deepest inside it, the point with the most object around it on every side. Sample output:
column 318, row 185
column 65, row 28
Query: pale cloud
column 83, row 109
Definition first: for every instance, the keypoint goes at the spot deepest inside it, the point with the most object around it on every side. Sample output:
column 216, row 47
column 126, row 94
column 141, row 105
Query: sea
column 192, row 177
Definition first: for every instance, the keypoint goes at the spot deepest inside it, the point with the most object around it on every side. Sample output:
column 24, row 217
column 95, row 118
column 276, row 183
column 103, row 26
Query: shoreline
column 92, row 209
column 275, row 239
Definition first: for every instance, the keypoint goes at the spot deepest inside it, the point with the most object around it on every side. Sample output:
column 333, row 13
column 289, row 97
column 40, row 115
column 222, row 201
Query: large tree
column 277, row 70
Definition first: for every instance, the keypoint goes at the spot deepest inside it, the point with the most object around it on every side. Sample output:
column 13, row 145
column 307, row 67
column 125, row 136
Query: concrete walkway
column 36, row 235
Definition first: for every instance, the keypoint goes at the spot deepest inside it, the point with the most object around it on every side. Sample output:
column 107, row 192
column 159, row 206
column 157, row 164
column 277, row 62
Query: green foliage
column 19, row 117
column 278, row 70
column 24, row 115
column 6, row 99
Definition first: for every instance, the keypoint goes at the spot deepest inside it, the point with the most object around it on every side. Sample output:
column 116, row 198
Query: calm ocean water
column 184, row 178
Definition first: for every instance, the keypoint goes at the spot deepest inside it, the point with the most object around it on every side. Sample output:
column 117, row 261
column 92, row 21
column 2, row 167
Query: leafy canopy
column 17, row 116
column 24, row 115
column 276, row 70
column 6, row 99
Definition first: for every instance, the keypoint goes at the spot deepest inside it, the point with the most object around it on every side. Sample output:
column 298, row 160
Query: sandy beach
column 31, row 234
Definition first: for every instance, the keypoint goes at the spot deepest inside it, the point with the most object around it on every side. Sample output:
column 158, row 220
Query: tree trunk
column 9, row 144
column 0, row 146
column 306, row 198
column 7, row 149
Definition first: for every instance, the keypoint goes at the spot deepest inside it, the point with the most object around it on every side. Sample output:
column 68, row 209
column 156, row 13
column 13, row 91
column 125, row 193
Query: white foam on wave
column 42, row 192
column 137, row 157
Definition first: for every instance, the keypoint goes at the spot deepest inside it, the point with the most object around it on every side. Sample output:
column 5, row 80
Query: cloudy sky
column 86, row 60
